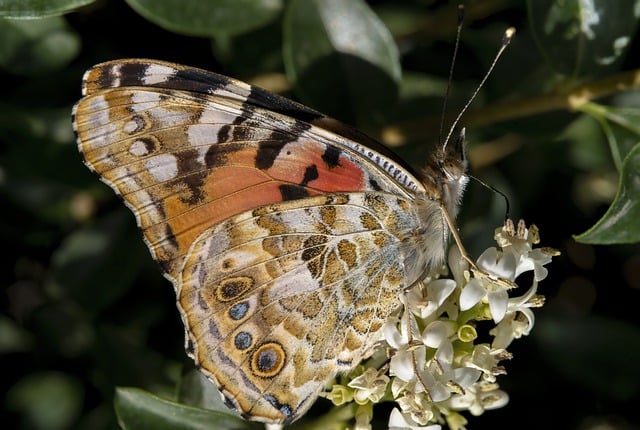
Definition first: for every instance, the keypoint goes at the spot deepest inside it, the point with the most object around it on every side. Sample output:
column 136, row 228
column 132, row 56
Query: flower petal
column 444, row 355
column 400, row 421
column 498, row 301
column 436, row 333
column 401, row 365
column 394, row 338
column 494, row 399
column 466, row 376
column 471, row 294
column 439, row 290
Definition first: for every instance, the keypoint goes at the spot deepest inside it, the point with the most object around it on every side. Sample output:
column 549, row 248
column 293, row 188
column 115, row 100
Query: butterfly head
column 444, row 179
column 445, row 174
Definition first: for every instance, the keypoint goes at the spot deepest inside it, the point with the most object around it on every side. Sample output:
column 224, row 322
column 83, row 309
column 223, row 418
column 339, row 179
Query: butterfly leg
column 477, row 272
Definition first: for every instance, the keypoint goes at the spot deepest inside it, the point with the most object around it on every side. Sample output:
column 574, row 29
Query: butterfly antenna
column 506, row 38
column 495, row 190
column 453, row 63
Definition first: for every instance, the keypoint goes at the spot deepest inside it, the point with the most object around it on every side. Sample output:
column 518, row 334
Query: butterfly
column 289, row 237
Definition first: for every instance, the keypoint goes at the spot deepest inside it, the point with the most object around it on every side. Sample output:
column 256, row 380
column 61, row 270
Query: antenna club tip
column 460, row 13
column 509, row 33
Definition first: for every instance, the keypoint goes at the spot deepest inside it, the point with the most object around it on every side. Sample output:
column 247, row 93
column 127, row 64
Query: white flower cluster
column 436, row 369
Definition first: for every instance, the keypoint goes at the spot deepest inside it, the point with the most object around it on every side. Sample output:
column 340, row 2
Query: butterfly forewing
column 186, row 160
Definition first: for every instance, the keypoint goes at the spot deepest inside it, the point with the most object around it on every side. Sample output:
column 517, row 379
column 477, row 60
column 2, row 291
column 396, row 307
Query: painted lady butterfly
column 288, row 236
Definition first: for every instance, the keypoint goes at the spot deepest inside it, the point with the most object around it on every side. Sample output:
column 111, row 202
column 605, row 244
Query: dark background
column 86, row 310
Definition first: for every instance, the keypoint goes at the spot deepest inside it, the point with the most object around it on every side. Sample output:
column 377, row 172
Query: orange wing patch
column 185, row 163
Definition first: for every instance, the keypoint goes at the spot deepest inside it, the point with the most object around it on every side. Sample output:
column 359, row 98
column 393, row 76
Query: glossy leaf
column 251, row 54
column 36, row 47
column 583, row 38
column 38, row 8
column 52, row 400
column 13, row 338
column 196, row 390
column 341, row 57
column 208, row 18
column 620, row 223
column 139, row 410
column 625, row 130
column 86, row 257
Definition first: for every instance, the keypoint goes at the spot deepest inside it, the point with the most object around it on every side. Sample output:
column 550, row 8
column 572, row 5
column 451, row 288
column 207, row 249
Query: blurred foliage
column 556, row 127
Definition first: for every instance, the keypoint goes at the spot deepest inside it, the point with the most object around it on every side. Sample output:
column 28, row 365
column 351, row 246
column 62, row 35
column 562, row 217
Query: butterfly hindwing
column 279, row 299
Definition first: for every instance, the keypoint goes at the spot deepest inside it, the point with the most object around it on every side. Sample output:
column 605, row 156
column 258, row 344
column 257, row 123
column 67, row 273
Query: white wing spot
column 216, row 114
column 99, row 109
column 130, row 127
column 237, row 91
column 201, row 137
column 100, row 128
column 163, row 167
column 138, row 148
column 143, row 100
column 116, row 73
column 156, row 73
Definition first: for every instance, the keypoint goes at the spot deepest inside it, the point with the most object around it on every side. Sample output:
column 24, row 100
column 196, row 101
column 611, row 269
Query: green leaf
column 196, row 390
column 213, row 18
column 583, row 38
column 586, row 149
column 13, row 337
column 626, row 130
column 620, row 223
column 48, row 200
column 251, row 54
column 401, row 18
column 31, row 124
column 36, row 47
column 38, row 8
column 83, row 264
column 51, row 401
column 140, row 410
column 342, row 58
